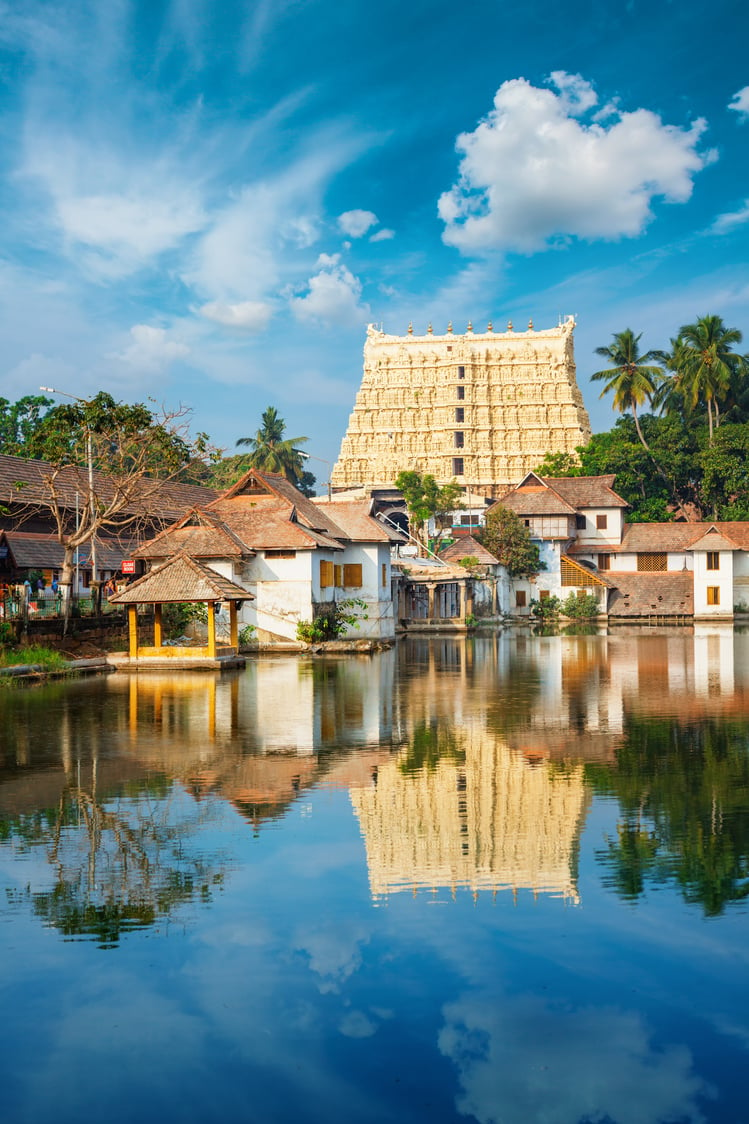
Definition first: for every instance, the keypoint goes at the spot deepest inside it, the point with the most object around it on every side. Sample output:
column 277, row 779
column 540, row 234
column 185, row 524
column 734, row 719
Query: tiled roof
column 180, row 579
column 468, row 547
column 354, row 520
column 268, row 485
column 674, row 537
column 198, row 534
column 561, row 495
column 30, row 550
column 586, row 491
column 647, row 595
column 164, row 499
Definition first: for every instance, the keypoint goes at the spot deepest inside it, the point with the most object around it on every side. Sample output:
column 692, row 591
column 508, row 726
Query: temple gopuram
column 483, row 408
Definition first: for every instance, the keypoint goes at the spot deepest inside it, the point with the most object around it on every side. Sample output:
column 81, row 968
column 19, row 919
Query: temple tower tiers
column 484, row 407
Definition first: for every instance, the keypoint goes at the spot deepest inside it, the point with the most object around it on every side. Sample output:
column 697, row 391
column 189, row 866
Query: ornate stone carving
column 517, row 390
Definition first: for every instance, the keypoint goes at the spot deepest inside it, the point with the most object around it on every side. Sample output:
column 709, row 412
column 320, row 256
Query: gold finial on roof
column 429, row 330
column 490, row 327
column 450, row 328
column 509, row 325
column 470, row 326
column 530, row 324
column 410, row 328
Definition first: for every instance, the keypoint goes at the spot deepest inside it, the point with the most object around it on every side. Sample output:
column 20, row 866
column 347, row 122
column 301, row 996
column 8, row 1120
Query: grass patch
column 48, row 658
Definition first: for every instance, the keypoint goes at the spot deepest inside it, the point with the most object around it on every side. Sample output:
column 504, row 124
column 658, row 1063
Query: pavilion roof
column 181, row 578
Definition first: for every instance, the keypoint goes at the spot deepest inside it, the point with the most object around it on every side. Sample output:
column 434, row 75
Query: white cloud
column 531, row 173
column 726, row 222
column 121, row 214
column 151, row 349
column 333, row 294
column 740, row 103
column 383, row 235
column 521, row 1059
column 357, row 223
column 249, row 316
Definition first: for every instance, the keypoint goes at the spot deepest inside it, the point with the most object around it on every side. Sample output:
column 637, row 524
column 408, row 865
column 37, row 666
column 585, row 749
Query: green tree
column 509, row 540
column 708, row 368
column 105, row 466
column 270, row 451
column 425, row 499
column 632, row 376
column 19, row 421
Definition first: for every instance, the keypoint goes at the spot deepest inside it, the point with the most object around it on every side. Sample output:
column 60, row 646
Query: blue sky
column 206, row 202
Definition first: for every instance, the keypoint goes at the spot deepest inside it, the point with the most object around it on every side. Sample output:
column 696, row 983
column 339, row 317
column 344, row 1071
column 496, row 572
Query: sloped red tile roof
column 561, row 495
column 647, row 595
column 31, row 550
column 674, row 537
column 353, row 519
column 164, row 499
column 468, row 547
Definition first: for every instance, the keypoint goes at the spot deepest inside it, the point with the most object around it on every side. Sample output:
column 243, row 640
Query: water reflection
column 470, row 764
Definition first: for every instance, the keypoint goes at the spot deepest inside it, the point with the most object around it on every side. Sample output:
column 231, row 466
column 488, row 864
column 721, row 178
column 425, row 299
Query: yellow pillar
column 233, row 625
column 132, row 623
column 212, row 630
column 157, row 632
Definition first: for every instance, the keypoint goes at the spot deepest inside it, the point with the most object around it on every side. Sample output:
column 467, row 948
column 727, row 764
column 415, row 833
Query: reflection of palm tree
column 270, row 452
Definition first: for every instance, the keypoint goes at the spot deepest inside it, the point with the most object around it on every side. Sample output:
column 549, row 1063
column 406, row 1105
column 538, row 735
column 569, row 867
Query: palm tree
column 270, row 452
column 633, row 381
column 709, row 367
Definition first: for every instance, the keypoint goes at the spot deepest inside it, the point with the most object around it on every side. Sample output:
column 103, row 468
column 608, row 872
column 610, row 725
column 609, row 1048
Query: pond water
column 496, row 879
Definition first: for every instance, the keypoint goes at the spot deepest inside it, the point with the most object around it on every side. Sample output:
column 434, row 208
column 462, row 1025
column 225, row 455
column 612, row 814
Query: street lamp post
column 310, row 456
column 90, row 460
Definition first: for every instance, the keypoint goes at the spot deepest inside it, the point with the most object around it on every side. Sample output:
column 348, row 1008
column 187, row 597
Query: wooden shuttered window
column 352, row 575
column 327, row 576
column 713, row 595
column 338, row 576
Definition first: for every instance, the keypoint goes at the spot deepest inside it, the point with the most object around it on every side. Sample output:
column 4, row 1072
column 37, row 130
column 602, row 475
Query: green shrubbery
column 332, row 623
column 577, row 606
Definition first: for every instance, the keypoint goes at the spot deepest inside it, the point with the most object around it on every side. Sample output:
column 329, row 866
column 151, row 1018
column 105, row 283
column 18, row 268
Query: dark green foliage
column 19, row 422
column 580, row 606
column 682, row 790
column 547, row 609
column 509, row 540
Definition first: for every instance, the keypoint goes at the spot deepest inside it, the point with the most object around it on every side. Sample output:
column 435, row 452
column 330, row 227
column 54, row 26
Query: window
column 466, row 520
column 326, row 574
column 338, row 577
column 352, row 578
column 459, row 438
column 602, row 522
column 280, row 554
column 713, row 560
column 604, row 561
column 544, row 594
column 519, row 598
column 461, row 393
column 653, row 563
column 460, row 414
column 527, row 522
column 457, row 466
column 384, row 573
column 580, row 522
column 713, row 595
column 461, row 372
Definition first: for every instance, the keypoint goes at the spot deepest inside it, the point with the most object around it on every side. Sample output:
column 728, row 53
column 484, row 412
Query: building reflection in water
column 468, row 761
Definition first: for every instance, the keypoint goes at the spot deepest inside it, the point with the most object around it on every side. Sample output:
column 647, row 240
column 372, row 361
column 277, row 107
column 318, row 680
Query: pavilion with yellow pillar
column 180, row 579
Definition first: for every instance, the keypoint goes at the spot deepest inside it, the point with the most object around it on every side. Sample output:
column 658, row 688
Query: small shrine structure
column 180, row 579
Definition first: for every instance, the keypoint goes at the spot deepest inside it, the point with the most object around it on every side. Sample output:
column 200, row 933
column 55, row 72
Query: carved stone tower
column 484, row 408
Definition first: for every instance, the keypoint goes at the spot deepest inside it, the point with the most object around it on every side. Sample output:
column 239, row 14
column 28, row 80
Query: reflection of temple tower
column 492, row 822
column 484, row 407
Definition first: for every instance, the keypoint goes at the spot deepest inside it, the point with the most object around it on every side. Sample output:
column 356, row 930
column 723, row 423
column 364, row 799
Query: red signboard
column 128, row 566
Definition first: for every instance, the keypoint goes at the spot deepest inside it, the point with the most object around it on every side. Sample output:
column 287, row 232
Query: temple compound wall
column 483, row 408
